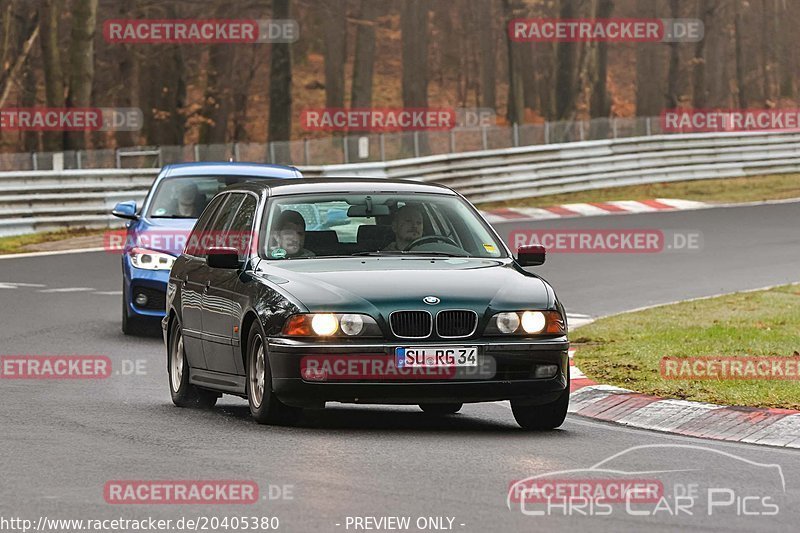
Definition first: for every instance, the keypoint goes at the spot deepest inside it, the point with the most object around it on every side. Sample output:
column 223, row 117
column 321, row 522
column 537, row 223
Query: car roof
column 255, row 170
column 339, row 185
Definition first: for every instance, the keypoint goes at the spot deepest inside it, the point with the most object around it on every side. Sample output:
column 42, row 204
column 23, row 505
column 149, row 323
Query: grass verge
column 626, row 350
column 728, row 190
column 22, row 243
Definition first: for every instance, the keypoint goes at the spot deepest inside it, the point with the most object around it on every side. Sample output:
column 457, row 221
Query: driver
column 289, row 236
column 407, row 227
column 189, row 203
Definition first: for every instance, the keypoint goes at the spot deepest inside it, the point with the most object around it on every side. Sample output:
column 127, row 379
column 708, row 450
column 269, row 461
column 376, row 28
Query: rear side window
column 193, row 244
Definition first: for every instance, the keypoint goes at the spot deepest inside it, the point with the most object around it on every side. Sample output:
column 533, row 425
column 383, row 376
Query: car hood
column 166, row 235
column 383, row 285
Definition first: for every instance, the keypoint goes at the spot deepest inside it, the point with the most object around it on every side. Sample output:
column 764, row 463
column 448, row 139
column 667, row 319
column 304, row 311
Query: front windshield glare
column 335, row 225
column 186, row 197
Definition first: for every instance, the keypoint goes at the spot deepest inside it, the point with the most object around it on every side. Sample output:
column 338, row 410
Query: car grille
column 411, row 324
column 456, row 323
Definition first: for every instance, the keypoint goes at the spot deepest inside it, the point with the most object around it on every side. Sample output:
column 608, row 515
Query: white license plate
column 436, row 356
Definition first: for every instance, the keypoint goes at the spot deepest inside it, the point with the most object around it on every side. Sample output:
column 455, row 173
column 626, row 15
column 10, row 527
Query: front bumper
column 507, row 373
column 152, row 282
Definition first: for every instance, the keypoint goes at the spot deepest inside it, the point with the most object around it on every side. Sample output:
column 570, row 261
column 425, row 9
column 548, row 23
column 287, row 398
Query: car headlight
column 526, row 323
column 150, row 260
column 331, row 325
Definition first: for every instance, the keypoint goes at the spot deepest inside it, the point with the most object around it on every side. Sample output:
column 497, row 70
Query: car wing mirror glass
column 531, row 255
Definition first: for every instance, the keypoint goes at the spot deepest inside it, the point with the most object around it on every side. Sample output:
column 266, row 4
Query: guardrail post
column 346, row 149
column 78, row 159
column 547, row 132
column 614, row 127
column 416, row 143
column 196, row 152
column 236, row 155
column 382, row 146
column 271, row 153
column 580, row 130
column 648, row 128
column 452, row 141
column 34, row 162
column 484, row 138
column 305, row 151
column 160, row 157
column 515, row 134
column 117, row 157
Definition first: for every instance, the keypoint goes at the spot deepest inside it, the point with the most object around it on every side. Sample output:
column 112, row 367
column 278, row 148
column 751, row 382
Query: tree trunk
column 515, row 111
column 649, row 69
column 334, row 30
column 280, row 86
column 415, row 33
column 81, row 71
column 49, row 12
column 566, row 67
column 361, row 91
column 673, row 76
column 600, row 105
column 706, row 10
column 740, row 66
column 488, row 52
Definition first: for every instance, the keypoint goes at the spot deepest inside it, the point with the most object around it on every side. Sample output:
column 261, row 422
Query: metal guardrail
column 36, row 201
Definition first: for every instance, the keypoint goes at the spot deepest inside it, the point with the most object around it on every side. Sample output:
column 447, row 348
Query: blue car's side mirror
column 125, row 210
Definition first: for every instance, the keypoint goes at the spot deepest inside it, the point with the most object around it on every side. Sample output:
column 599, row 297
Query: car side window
column 194, row 243
column 240, row 231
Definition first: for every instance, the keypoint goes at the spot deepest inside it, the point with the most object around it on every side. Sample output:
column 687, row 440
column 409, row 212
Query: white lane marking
column 69, row 289
column 633, row 206
column 586, row 210
column 108, row 293
column 54, row 252
column 13, row 285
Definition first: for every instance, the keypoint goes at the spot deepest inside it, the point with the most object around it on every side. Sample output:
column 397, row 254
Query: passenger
column 407, row 227
column 289, row 236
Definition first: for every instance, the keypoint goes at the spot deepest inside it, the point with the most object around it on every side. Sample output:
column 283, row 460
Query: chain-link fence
column 344, row 148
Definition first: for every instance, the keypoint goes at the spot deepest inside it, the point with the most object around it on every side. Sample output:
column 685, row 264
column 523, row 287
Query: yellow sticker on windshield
column 491, row 248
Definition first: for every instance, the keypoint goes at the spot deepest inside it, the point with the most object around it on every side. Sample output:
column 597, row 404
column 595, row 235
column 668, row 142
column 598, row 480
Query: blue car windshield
column 347, row 224
column 187, row 196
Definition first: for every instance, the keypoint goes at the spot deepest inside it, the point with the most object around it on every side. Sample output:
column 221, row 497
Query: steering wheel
column 429, row 239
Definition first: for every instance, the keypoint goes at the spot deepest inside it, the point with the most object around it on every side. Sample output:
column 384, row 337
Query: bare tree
column 567, row 86
column 487, row 44
column 673, row 75
column 361, row 91
column 49, row 12
column 81, row 71
column 649, row 68
column 414, row 29
column 280, row 84
column 334, row 31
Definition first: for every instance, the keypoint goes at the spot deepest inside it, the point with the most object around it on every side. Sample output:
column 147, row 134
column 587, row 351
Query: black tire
column 441, row 408
column 265, row 407
column 183, row 393
column 542, row 417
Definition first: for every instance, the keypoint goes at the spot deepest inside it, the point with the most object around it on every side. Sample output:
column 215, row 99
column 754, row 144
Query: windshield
column 335, row 225
column 187, row 196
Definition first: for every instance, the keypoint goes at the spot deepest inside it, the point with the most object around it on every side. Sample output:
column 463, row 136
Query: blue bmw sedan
column 155, row 234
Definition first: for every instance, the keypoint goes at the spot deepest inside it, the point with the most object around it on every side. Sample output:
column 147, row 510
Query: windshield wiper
column 400, row 253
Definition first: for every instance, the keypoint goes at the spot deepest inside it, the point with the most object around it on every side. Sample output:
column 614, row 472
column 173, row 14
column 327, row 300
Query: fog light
column 545, row 371
column 141, row 299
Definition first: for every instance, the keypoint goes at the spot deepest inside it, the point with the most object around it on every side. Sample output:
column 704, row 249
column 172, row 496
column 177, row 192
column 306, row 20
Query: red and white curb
column 590, row 209
column 771, row 427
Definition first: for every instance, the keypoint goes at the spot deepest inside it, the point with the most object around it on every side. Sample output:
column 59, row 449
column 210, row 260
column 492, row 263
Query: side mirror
column 532, row 255
column 223, row 258
column 125, row 210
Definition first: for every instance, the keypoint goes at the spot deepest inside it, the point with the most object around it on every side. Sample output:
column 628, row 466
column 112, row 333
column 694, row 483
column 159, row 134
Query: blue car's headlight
column 150, row 260
column 526, row 323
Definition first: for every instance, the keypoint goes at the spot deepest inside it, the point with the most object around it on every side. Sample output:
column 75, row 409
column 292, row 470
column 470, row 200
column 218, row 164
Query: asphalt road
column 63, row 441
